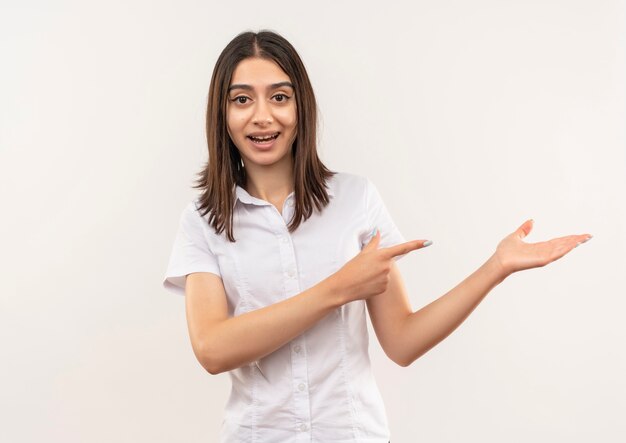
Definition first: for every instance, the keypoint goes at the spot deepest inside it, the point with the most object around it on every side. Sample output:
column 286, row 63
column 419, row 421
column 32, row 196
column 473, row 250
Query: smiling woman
column 280, row 259
column 260, row 88
column 261, row 115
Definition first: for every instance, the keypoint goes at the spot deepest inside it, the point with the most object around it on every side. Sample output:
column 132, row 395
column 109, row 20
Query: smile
column 263, row 139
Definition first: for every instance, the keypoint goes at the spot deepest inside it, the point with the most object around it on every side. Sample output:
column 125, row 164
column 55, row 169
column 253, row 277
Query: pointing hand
column 367, row 274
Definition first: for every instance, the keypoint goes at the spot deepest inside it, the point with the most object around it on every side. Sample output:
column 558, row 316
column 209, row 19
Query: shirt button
column 301, row 387
column 297, row 349
column 303, row 427
column 290, row 203
column 284, row 239
column 291, row 273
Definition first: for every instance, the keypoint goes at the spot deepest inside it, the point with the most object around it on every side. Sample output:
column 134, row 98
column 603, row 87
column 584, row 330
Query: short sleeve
column 190, row 252
column 379, row 218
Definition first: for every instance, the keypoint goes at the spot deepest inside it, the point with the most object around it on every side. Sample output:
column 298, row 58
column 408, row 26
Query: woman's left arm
column 405, row 335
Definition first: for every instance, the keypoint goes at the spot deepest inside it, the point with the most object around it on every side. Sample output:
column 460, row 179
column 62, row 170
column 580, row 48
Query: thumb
column 373, row 243
column 525, row 228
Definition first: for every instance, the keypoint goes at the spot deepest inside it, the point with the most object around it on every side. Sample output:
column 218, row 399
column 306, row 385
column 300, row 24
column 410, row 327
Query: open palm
column 516, row 255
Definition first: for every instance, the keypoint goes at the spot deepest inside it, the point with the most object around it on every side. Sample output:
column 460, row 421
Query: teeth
column 264, row 139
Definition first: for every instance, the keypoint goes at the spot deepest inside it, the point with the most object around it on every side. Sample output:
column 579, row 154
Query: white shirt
column 319, row 387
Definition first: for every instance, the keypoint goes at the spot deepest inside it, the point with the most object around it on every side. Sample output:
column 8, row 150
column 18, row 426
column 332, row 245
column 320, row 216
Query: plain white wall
column 470, row 117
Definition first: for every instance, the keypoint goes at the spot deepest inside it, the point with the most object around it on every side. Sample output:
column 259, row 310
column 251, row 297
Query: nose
column 262, row 114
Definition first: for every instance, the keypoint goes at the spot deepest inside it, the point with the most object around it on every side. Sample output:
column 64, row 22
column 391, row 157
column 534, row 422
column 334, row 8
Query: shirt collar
column 243, row 195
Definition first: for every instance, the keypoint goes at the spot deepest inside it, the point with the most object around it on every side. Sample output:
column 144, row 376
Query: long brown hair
column 224, row 168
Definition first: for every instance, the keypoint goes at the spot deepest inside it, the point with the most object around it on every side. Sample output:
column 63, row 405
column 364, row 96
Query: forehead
column 258, row 71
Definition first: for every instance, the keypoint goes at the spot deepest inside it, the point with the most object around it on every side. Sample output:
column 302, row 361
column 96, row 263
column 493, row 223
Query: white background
column 470, row 117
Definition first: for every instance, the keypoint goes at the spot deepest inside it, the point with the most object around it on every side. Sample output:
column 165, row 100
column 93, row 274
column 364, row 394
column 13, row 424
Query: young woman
column 279, row 257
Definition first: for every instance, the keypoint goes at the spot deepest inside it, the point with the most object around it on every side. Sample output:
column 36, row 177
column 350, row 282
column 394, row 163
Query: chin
column 266, row 158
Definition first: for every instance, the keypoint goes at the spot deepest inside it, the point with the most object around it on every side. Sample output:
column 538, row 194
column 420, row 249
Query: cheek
column 235, row 133
column 288, row 117
column 234, row 123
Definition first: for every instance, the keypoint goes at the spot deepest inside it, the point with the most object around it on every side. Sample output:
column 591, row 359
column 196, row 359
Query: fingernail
column 373, row 232
column 428, row 243
column 587, row 239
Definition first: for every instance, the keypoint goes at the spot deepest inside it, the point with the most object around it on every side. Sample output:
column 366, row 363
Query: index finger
column 404, row 248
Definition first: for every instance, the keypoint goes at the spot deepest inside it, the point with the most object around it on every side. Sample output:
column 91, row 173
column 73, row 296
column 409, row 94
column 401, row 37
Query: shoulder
column 353, row 189
column 348, row 184
column 190, row 211
column 192, row 220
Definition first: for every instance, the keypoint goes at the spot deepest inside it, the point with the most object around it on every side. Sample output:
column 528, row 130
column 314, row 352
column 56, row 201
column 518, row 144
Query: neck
column 270, row 183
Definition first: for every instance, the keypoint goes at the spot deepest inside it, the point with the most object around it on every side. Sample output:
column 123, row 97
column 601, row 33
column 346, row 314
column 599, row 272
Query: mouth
column 264, row 138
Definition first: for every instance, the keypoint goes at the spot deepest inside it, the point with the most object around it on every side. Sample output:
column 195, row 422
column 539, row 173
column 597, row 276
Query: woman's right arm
column 222, row 343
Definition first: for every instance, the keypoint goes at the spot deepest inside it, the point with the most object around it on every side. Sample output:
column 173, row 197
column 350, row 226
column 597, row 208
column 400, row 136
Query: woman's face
column 261, row 112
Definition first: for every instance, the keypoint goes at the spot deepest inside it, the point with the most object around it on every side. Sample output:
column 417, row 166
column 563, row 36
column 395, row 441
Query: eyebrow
column 272, row 86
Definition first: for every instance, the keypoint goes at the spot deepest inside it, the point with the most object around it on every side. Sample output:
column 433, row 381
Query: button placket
column 299, row 368
column 301, row 398
column 288, row 263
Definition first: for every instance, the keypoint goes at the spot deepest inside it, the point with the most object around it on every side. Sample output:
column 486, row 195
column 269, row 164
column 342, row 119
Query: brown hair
column 224, row 169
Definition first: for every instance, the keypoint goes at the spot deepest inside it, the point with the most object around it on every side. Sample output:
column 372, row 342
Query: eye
column 280, row 98
column 240, row 100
